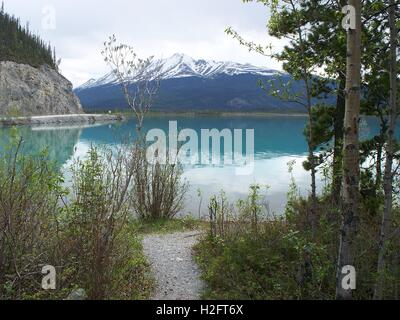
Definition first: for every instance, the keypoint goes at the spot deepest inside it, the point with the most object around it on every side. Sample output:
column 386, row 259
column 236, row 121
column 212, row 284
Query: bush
column 280, row 260
column 30, row 190
column 258, row 256
column 88, row 236
column 158, row 190
column 97, row 221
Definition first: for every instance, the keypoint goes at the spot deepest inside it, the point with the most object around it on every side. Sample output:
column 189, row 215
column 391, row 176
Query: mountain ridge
column 196, row 85
column 181, row 65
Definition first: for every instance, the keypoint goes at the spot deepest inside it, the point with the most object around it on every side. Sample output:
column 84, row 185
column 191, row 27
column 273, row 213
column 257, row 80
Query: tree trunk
column 312, row 220
column 351, row 167
column 379, row 152
column 390, row 149
column 338, row 147
column 313, row 216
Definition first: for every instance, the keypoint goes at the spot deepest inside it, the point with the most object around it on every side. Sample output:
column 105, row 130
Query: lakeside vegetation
column 165, row 226
column 249, row 254
column 87, row 231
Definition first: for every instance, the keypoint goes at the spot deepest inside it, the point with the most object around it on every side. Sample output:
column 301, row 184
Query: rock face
column 29, row 91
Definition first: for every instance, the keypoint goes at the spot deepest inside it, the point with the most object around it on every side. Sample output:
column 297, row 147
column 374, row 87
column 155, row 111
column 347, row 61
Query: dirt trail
column 176, row 273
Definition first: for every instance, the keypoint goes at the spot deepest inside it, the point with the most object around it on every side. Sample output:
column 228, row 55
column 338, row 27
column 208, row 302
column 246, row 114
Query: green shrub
column 278, row 260
column 98, row 220
column 261, row 258
column 158, row 190
column 30, row 190
column 87, row 235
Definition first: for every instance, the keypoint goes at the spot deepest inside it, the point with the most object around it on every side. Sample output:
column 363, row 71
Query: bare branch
column 139, row 78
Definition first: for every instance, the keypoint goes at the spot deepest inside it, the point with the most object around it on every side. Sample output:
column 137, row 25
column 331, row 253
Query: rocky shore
column 61, row 119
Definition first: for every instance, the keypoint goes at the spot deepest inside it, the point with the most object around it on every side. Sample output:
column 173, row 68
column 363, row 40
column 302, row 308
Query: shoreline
column 61, row 119
column 228, row 114
column 156, row 113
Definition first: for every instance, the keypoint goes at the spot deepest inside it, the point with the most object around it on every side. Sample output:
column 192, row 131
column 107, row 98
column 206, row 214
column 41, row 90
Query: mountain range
column 191, row 85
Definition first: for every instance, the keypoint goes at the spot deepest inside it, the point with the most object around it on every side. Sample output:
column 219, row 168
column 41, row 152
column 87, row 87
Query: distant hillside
column 224, row 93
column 19, row 45
column 189, row 84
column 30, row 83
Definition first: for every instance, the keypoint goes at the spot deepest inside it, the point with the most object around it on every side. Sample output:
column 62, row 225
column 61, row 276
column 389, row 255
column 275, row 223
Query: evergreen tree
column 19, row 45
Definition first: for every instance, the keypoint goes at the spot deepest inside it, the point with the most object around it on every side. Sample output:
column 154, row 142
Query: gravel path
column 177, row 275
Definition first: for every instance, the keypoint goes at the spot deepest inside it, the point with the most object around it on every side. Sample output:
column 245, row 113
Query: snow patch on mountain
column 182, row 66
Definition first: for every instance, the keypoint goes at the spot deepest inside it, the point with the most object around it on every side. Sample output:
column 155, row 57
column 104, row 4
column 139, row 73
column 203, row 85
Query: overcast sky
column 154, row 27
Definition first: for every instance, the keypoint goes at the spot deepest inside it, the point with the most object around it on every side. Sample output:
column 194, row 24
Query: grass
column 137, row 282
column 164, row 226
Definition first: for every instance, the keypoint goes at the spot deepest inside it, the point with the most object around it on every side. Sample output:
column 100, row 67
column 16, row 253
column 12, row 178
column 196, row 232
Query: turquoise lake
column 278, row 141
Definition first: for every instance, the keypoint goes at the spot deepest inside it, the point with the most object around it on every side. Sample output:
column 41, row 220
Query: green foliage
column 29, row 195
column 158, row 189
column 322, row 119
column 163, row 225
column 317, row 42
column 18, row 44
column 272, row 260
column 89, row 238
column 278, row 259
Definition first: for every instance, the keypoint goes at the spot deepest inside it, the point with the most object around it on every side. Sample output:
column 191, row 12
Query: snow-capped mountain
column 183, row 66
column 189, row 84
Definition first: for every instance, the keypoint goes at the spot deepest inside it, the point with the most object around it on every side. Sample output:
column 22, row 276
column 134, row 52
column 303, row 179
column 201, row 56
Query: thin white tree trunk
column 351, row 168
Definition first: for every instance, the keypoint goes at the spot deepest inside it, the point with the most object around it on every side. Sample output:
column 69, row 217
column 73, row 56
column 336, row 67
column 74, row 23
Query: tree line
column 19, row 44
column 355, row 44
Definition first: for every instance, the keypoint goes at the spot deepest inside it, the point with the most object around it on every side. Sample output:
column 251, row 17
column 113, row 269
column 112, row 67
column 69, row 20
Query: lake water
column 278, row 140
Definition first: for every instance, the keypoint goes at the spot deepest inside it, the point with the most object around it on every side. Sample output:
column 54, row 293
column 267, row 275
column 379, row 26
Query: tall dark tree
column 390, row 150
column 289, row 20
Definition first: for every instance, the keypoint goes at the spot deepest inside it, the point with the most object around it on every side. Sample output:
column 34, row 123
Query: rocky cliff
column 29, row 91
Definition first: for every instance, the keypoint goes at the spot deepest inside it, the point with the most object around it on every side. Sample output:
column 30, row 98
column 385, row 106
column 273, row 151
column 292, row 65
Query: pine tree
column 20, row 45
